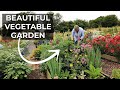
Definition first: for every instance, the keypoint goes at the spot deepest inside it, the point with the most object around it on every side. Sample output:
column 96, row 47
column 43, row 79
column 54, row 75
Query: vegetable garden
column 96, row 57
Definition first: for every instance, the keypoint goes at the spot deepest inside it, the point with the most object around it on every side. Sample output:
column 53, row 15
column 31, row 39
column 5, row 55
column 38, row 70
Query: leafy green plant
column 116, row 73
column 98, row 58
column 16, row 70
column 73, row 76
column 12, row 65
column 8, row 57
column 64, row 74
column 42, row 51
column 94, row 57
column 54, row 68
column 37, row 54
column 94, row 73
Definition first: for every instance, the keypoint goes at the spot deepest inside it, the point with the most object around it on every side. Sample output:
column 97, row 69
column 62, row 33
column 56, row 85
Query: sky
column 70, row 15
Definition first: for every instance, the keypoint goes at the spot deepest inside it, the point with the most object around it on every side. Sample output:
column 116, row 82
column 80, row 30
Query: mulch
column 108, row 66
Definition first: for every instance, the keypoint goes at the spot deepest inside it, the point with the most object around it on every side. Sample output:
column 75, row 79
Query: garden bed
column 110, row 58
column 108, row 66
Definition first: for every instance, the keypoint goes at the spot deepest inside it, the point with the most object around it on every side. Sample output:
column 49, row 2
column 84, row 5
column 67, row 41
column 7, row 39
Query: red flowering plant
column 108, row 44
column 99, row 42
column 87, row 37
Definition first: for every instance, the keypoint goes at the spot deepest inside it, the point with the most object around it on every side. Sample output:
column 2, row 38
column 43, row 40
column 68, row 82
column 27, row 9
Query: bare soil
column 36, row 74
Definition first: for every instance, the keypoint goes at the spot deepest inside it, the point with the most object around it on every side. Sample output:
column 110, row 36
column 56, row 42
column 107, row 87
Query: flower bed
column 75, row 61
column 108, row 44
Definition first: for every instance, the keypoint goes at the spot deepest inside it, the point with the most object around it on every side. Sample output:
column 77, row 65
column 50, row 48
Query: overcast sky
column 71, row 15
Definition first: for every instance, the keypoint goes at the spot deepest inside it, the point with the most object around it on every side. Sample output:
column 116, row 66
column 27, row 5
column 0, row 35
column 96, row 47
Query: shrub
column 16, row 70
column 108, row 44
column 12, row 65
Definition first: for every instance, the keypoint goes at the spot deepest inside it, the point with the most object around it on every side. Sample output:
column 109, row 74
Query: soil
column 108, row 66
column 36, row 74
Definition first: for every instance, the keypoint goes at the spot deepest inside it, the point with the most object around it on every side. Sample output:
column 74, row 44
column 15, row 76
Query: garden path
column 36, row 73
column 108, row 66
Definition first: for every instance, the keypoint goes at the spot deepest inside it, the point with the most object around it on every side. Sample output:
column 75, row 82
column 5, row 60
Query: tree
column 56, row 19
column 119, row 23
column 92, row 24
column 104, row 21
column 63, row 26
column 99, row 21
column 110, row 20
column 82, row 23
column 70, row 25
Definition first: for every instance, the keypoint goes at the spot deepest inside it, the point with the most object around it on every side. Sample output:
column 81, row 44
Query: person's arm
column 73, row 34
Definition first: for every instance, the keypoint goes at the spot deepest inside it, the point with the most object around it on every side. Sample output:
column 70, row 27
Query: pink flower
column 112, row 51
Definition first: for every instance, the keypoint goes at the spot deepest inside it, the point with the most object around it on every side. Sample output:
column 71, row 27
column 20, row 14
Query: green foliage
column 98, row 22
column 63, row 26
column 82, row 23
column 68, row 25
column 12, row 65
column 43, row 67
column 56, row 20
column 110, row 20
column 54, row 67
column 16, row 70
column 119, row 23
column 64, row 74
column 94, row 73
column 37, row 54
column 94, row 57
column 116, row 73
column 42, row 51
column 23, row 43
column 104, row 21
column 8, row 57
column 71, row 24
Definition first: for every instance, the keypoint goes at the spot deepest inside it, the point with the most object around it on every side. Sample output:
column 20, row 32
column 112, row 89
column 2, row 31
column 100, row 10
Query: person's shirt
column 1, row 46
column 78, row 35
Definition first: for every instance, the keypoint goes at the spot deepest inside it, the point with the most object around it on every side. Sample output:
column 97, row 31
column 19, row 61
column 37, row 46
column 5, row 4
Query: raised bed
column 110, row 58
column 107, row 76
column 109, row 63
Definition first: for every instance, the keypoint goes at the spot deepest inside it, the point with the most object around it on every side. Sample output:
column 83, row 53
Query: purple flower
column 83, row 60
